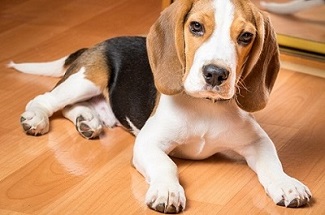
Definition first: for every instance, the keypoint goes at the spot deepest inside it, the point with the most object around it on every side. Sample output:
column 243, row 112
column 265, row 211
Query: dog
column 291, row 7
column 186, row 90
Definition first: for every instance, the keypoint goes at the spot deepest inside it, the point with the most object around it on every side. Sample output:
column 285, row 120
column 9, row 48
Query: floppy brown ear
column 261, row 68
column 165, row 47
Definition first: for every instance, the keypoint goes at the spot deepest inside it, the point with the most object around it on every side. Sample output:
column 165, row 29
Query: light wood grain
column 62, row 173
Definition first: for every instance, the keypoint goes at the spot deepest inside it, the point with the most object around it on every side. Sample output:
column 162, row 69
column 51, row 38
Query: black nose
column 215, row 75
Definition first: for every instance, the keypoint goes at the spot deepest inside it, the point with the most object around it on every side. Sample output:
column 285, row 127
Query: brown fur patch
column 261, row 66
column 165, row 46
column 97, row 71
column 96, row 66
column 203, row 13
column 243, row 22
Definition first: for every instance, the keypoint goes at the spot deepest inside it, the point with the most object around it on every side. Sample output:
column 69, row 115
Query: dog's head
column 217, row 49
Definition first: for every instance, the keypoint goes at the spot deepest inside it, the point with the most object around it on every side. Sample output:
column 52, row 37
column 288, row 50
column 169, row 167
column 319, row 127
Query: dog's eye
column 245, row 38
column 196, row 28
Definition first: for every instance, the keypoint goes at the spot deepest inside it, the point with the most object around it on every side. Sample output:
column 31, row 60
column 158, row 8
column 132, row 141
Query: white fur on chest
column 198, row 128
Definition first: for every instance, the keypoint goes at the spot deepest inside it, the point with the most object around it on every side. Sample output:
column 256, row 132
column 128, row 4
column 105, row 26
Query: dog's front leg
column 151, row 159
column 262, row 157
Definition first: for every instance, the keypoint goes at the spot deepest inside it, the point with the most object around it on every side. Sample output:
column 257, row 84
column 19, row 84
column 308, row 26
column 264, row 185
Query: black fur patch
column 131, row 86
column 72, row 57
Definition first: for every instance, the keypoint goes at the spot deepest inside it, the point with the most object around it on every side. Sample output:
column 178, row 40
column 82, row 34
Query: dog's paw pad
column 160, row 207
column 171, row 209
column 26, row 126
column 166, row 199
column 34, row 123
column 295, row 203
column 289, row 193
column 88, row 126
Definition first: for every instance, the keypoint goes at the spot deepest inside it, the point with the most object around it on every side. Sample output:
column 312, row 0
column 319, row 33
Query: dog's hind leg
column 91, row 116
column 73, row 88
column 85, row 118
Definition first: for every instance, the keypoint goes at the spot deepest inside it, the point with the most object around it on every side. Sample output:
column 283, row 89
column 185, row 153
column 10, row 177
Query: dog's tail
column 56, row 68
column 291, row 6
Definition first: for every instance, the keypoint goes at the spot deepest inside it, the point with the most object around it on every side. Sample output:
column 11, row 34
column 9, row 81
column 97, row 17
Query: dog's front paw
column 289, row 192
column 34, row 122
column 89, row 126
column 166, row 198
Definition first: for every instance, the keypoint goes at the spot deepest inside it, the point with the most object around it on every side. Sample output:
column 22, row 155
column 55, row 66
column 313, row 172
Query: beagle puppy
column 185, row 91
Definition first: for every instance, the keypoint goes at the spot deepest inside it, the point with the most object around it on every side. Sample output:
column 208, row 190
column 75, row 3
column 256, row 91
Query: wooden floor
column 62, row 173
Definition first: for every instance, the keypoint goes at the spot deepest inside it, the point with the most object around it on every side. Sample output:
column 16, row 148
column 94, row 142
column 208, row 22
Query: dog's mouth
column 224, row 92
column 217, row 93
column 217, row 100
column 212, row 95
